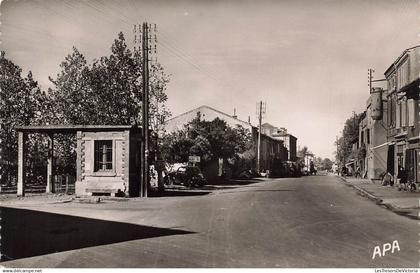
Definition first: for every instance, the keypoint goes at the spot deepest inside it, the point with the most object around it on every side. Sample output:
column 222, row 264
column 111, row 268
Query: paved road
column 299, row 222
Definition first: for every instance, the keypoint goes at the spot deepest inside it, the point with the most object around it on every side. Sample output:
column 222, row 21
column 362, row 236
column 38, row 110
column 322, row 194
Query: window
column 393, row 111
column 367, row 136
column 103, row 155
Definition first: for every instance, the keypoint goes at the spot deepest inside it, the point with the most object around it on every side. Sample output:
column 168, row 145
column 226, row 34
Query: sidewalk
column 401, row 202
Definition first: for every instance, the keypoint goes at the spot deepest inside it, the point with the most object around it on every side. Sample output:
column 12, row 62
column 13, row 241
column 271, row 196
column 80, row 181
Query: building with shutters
column 289, row 140
column 403, row 110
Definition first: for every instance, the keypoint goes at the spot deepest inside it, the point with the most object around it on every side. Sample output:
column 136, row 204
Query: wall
column 376, row 151
column 88, row 181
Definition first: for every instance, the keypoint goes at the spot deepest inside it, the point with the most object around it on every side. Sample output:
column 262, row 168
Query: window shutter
column 403, row 113
column 411, row 113
column 398, row 112
column 389, row 112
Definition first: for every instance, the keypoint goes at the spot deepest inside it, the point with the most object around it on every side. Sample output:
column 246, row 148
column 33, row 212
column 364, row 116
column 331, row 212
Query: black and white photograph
column 210, row 134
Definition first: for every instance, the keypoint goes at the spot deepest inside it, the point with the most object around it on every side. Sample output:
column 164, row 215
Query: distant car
column 189, row 176
column 245, row 174
column 305, row 171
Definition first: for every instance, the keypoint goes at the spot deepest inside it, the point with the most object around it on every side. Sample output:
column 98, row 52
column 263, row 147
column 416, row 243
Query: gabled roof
column 268, row 125
column 209, row 108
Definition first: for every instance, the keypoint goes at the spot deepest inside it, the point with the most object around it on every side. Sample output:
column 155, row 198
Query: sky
column 308, row 60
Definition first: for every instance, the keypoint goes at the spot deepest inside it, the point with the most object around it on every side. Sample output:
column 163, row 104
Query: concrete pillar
column 21, row 164
column 50, row 162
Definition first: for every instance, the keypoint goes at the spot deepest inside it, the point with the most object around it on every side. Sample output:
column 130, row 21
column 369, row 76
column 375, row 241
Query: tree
column 109, row 90
column 302, row 153
column 350, row 133
column 21, row 103
column 106, row 92
column 318, row 163
column 210, row 140
column 327, row 164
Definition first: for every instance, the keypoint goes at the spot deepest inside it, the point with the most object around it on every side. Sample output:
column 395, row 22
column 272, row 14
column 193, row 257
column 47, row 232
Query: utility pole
column 142, row 40
column 261, row 107
column 336, row 142
column 145, row 109
column 354, row 119
column 371, row 80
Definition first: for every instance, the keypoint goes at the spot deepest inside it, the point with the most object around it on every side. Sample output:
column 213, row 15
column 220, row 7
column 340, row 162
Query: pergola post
column 50, row 168
column 21, row 163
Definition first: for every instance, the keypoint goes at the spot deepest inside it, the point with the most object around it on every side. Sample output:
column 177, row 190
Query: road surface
column 314, row 221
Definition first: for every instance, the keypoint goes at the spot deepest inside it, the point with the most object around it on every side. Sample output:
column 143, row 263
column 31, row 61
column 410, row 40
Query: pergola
column 51, row 130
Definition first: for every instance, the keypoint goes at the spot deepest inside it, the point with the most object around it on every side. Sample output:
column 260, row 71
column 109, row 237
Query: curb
column 379, row 201
column 399, row 211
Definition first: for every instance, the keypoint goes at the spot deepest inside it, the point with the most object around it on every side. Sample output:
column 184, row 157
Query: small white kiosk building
column 108, row 158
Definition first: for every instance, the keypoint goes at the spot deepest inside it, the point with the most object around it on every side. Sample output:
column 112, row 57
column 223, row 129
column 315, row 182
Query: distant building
column 290, row 141
column 272, row 149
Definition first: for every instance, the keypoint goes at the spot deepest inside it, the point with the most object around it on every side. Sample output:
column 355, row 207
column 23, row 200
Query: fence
column 63, row 184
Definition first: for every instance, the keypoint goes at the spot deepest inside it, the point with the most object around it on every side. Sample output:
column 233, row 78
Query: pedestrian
column 343, row 171
column 357, row 174
column 387, row 180
column 402, row 176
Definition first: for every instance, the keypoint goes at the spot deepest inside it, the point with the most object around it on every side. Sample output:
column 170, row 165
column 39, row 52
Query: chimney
column 234, row 113
column 249, row 119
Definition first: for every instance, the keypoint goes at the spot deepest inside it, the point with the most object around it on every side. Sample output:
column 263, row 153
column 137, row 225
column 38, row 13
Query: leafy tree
column 208, row 139
column 301, row 154
column 22, row 103
column 345, row 142
column 327, row 164
column 318, row 162
column 107, row 92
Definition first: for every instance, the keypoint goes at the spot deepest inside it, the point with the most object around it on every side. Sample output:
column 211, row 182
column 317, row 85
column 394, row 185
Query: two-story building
column 289, row 140
column 403, row 113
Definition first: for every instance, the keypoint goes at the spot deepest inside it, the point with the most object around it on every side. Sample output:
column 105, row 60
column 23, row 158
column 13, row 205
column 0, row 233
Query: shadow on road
column 273, row 190
column 175, row 193
column 27, row 233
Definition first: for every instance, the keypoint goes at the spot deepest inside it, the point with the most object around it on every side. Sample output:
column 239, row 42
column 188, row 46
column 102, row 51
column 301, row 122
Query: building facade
column 372, row 141
column 290, row 141
column 403, row 113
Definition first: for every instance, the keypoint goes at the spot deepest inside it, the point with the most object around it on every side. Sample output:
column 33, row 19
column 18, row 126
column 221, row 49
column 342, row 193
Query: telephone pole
column 336, row 142
column 142, row 40
column 371, row 80
column 145, row 111
column 261, row 108
column 370, row 72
